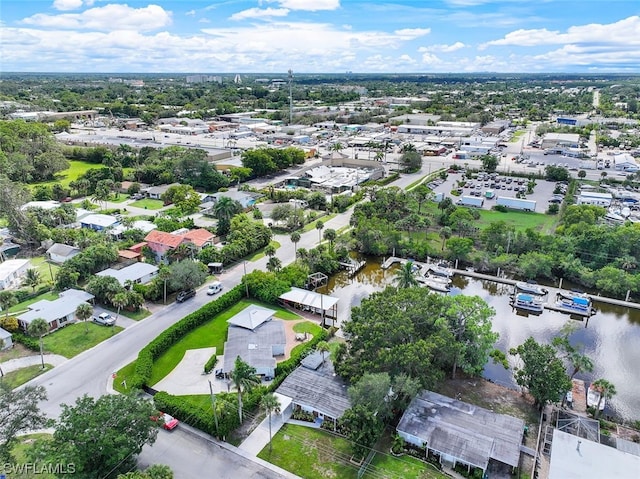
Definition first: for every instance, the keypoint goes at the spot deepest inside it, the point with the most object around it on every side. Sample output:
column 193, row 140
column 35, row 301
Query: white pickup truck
column 105, row 319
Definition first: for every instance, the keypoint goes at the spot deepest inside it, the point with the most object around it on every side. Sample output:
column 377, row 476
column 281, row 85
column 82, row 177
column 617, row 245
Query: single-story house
column 5, row 339
column 314, row 387
column 138, row 273
column 56, row 313
column 156, row 192
column 59, row 253
column 256, row 338
column 11, row 273
column 461, row 433
column 99, row 222
column 161, row 242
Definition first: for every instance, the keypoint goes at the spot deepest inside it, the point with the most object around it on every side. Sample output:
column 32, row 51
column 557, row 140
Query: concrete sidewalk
column 259, row 438
column 19, row 363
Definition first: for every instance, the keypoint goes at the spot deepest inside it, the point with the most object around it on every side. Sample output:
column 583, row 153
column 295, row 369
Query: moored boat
column 527, row 302
column 440, row 270
column 574, row 303
column 531, row 288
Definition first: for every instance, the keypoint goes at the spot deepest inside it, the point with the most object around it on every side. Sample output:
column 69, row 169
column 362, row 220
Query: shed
column 311, row 301
column 460, row 432
column 59, row 253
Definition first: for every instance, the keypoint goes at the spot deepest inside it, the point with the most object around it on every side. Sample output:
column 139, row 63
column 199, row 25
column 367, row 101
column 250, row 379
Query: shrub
column 500, row 208
column 210, row 364
column 27, row 341
column 9, row 323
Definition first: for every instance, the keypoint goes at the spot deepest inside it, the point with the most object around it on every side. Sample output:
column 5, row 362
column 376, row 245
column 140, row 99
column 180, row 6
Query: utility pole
column 290, row 97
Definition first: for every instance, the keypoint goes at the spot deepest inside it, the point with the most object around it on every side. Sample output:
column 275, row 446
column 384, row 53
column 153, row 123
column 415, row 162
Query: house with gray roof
column 5, row 339
column 138, row 273
column 57, row 313
column 461, row 433
column 314, row 387
column 59, row 253
column 257, row 338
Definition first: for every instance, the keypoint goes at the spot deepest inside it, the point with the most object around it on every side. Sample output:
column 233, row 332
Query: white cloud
column 260, row 13
column 430, row 59
column 190, row 13
column 107, row 18
column 70, row 4
column 412, row 33
column 442, row 48
column 309, row 5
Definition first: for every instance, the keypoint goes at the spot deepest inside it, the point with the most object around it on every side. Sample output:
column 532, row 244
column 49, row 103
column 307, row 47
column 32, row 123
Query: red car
column 168, row 422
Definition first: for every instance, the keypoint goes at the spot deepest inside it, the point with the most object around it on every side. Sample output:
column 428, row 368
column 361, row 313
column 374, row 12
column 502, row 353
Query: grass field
column 72, row 340
column 21, row 456
column 148, row 204
column 46, row 269
column 312, row 226
column 260, row 253
column 211, row 334
column 520, row 220
column 23, row 375
column 75, row 170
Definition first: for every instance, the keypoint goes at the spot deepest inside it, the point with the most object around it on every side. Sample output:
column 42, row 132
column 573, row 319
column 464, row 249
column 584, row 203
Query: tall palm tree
column 84, row 312
column 245, row 379
column 270, row 404
column 119, row 300
column 445, row 234
column 319, row 226
column 405, row 276
column 31, row 278
column 295, row 239
column 270, row 250
column 580, row 362
column 323, row 347
column 606, row 390
column 7, row 300
column 163, row 275
column 330, row 235
column 38, row 328
column 274, row 264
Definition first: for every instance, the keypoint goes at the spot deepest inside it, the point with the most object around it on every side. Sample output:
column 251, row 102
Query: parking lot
column 502, row 185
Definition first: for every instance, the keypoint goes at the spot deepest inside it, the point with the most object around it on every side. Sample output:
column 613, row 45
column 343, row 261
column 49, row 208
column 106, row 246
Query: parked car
column 168, row 422
column 105, row 319
column 184, row 295
column 214, row 288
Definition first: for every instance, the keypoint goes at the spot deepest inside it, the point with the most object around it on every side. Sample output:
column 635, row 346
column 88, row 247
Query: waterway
column 611, row 337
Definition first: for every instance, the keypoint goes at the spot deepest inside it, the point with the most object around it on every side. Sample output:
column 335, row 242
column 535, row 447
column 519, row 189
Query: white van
column 214, row 288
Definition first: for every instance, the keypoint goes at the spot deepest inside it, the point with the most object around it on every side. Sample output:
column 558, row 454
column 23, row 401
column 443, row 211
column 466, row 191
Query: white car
column 105, row 319
column 214, row 288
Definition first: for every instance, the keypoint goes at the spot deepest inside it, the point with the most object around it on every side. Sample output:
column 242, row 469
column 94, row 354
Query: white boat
column 531, row 288
column 593, row 396
column 574, row 303
column 436, row 283
column 527, row 302
column 440, row 270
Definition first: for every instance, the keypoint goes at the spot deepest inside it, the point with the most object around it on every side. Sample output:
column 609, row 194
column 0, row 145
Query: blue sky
column 320, row 36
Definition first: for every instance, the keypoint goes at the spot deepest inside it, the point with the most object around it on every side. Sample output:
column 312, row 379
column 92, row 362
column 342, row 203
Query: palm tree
column 295, row 238
column 330, row 235
column 163, row 275
column 270, row 404
column 319, row 226
column 580, row 362
column 119, row 300
column 606, row 390
column 405, row 276
column 445, row 234
column 7, row 300
column 274, row 264
column 323, row 347
column 226, row 208
column 183, row 251
column 270, row 250
column 39, row 327
column 31, row 278
column 84, row 312
column 244, row 378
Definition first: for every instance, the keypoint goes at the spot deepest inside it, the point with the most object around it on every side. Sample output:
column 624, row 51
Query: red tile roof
column 166, row 239
column 199, row 237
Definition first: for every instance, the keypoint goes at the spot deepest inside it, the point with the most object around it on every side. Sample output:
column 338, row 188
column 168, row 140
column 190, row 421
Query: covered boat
column 531, row 288
column 527, row 302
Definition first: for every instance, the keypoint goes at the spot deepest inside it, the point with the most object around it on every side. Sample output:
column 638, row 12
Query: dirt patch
column 17, row 351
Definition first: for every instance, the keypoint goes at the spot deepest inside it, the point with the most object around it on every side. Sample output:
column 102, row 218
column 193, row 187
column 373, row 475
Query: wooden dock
column 553, row 292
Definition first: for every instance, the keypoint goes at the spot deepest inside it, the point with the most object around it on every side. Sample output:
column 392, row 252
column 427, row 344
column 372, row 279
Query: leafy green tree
column 183, row 197
column 156, row 471
column 225, row 209
column 19, row 412
column 364, row 428
column 38, row 328
column 245, row 379
column 542, row 372
column 186, row 274
column 330, row 235
column 606, row 389
column 84, row 312
column 406, row 276
column 104, row 434
column 459, row 248
column 270, row 404
column 489, row 162
column 270, row 250
column 104, row 288
column 421, row 193
column 411, row 160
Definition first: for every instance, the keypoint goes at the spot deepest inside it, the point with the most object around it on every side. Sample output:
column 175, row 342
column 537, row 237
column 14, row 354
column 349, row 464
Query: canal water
column 611, row 337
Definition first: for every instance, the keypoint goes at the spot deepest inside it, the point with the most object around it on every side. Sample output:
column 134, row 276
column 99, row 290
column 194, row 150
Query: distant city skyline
column 320, row 36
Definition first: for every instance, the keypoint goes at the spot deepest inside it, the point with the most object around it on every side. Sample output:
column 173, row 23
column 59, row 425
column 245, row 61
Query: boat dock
column 353, row 266
column 553, row 292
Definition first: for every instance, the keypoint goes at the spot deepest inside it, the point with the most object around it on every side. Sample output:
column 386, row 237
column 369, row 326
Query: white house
column 12, row 272
column 5, row 339
column 99, row 222
column 138, row 273
column 59, row 253
column 56, row 313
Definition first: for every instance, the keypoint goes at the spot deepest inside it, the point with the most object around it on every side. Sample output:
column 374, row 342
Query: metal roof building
column 460, row 432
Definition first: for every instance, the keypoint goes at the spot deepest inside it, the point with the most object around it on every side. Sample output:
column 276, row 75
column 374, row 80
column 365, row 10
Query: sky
column 320, row 36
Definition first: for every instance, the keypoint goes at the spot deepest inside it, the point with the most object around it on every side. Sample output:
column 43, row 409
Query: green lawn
column 124, row 375
column 23, row 375
column 148, row 204
column 312, row 226
column 135, row 315
column 72, row 340
column 21, row 456
column 23, row 306
column 385, row 465
column 520, row 220
column 47, row 270
column 119, row 198
column 211, row 334
column 75, row 170
column 260, row 253
column 516, row 136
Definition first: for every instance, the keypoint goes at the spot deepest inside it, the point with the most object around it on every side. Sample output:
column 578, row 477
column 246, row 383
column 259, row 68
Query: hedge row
column 27, row 341
column 166, row 339
column 210, row 364
column 201, row 416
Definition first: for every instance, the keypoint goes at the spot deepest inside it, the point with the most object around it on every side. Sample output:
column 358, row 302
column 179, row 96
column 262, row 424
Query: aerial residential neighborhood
column 232, row 262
